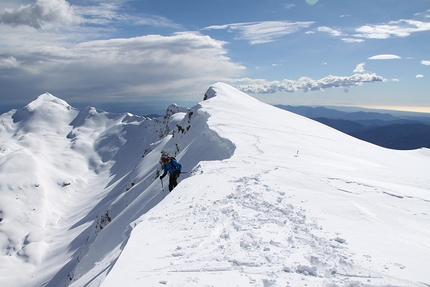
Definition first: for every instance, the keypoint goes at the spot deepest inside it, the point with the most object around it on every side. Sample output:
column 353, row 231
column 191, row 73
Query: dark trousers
column 173, row 180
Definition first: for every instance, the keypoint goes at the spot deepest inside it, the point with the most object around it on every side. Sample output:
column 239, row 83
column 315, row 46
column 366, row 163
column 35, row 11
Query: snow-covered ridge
column 268, row 198
column 66, row 174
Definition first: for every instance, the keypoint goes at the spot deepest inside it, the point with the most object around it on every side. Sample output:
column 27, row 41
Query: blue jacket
column 171, row 166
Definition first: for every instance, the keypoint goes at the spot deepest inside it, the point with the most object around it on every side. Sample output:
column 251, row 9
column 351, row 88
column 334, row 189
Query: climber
column 172, row 167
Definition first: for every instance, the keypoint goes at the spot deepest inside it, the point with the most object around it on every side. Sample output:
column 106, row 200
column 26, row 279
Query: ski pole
column 162, row 185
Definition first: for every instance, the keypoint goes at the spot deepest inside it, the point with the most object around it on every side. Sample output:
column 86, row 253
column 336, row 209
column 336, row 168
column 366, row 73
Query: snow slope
column 270, row 198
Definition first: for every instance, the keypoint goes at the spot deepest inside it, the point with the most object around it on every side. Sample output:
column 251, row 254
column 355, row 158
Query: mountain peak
column 46, row 98
column 226, row 91
column 221, row 88
column 46, row 108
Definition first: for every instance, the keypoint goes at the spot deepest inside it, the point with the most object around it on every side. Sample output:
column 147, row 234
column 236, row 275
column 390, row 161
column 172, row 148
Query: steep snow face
column 297, row 204
column 191, row 142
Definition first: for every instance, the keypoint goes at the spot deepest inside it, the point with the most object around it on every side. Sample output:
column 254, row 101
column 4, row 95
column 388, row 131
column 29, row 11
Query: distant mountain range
column 394, row 130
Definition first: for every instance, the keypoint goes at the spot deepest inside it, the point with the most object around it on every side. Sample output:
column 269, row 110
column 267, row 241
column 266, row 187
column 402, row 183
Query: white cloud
column 43, row 12
column 384, row 57
column 8, row 63
column 263, row 32
column 307, row 84
column 419, row 76
column 331, row 31
column 360, row 68
column 352, row 40
column 400, row 28
column 425, row 14
column 425, row 62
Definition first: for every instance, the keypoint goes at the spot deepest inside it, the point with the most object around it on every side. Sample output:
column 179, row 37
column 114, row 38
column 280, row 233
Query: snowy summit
column 266, row 198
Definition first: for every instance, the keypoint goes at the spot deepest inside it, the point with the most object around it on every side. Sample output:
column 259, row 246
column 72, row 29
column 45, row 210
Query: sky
column 145, row 55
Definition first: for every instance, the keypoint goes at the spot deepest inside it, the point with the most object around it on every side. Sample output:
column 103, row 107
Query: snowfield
column 267, row 198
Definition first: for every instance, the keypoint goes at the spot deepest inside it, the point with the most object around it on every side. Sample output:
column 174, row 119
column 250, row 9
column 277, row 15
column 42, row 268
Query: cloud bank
column 306, row 84
column 125, row 68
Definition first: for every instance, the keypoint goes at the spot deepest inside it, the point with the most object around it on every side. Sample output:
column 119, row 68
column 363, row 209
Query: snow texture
column 267, row 198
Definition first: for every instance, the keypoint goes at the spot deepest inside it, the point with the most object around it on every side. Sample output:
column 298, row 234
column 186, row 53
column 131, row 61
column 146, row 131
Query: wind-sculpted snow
column 267, row 198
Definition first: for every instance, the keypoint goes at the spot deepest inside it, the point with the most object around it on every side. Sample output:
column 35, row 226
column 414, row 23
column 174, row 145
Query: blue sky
column 146, row 54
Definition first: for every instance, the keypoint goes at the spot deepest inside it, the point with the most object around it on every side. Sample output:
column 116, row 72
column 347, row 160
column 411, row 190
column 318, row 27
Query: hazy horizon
column 159, row 107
